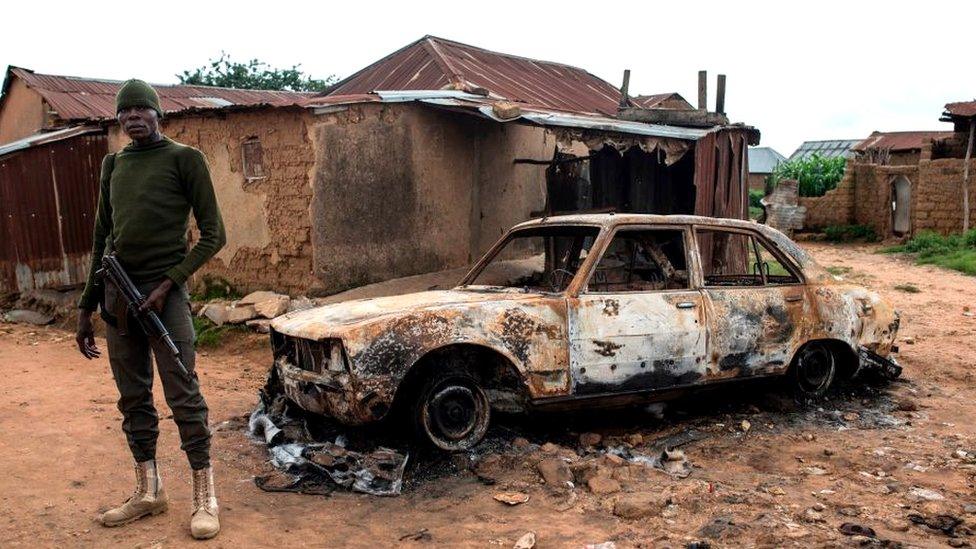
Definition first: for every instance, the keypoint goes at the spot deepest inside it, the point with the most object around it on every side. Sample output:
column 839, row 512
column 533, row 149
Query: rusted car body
column 650, row 304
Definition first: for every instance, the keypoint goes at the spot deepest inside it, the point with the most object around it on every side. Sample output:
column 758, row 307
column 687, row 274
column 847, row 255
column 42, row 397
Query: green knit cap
column 136, row 93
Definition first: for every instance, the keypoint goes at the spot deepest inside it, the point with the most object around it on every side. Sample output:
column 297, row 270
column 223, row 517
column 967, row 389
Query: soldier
column 147, row 191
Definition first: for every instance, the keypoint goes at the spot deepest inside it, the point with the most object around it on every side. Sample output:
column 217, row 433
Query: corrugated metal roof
column 433, row 63
column 764, row 159
column 657, row 100
column 481, row 105
column 75, row 98
column 898, row 141
column 827, row 148
column 961, row 109
column 45, row 137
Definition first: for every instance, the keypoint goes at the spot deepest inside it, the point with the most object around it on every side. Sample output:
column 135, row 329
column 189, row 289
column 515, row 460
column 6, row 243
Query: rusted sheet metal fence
column 48, row 195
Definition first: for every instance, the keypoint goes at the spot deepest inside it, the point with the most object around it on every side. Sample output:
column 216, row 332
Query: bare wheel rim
column 814, row 368
column 455, row 416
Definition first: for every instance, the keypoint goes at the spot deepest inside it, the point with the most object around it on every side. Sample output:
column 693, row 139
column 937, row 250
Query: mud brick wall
column 937, row 196
column 835, row 207
column 267, row 219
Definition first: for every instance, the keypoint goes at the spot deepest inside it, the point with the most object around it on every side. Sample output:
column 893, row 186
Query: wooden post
column 965, row 177
column 720, row 95
column 703, row 90
column 625, row 89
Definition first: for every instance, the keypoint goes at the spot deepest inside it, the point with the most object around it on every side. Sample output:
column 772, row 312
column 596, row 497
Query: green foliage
column 755, row 195
column 909, row 288
column 209, row 335
column 850, row 233
column 838, row 270
column 816, row 174
column 252, row 75
column 955, row 251
column 215, row 287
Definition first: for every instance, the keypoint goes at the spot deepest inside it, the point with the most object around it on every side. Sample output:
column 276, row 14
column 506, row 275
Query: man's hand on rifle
column 86, row 336
column 157, row 298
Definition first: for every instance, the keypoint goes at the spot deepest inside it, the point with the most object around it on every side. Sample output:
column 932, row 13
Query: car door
column 638, row 325
column 755, row 301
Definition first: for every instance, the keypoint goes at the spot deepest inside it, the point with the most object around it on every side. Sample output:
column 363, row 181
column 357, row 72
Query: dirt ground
column 764, row 474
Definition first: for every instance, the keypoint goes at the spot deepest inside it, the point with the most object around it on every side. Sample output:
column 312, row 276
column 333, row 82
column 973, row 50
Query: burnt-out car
column 586, row 310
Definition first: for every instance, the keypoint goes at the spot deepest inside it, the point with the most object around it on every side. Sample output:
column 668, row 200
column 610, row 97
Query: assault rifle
column 152, row 326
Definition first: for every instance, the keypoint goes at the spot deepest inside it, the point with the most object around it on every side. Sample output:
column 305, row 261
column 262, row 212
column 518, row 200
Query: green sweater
column 145, row 197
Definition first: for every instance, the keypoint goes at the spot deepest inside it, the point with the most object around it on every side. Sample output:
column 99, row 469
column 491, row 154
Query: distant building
column 762, row 162
column 900, row 183
column 826, row 148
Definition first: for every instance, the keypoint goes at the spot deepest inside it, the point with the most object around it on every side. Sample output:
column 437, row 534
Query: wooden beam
column 694, row 119
column 703, row 90
column 624, row 90
column 965, row 177
column 720, row 95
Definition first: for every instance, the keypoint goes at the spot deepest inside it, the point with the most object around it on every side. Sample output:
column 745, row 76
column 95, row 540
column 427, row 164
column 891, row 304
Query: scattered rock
column 550, row 448
column 590, row 439
column 23, row 316
column 819, row 507
column 634, row 439
column 640, row 505
column 270, row 308
column 810, row 515
column 969, row 508
column 525, row 542
column 614, row 460
column 897, row 525
column 946, row 524
column 906, row 405
column 956, row 542
column 215, row 312
column 853, row 529
column 926, row 494
column 555, row 472
column 241, row 314
column 511, row 498
column 300, row 304
column 601, row 484
column 852, row 416
column 745, row 425
column 257, row 297
column 909, row 340
column 259, row 325
column 814, row 471
column 716, row 527
column 604, row 545
column 828, row 452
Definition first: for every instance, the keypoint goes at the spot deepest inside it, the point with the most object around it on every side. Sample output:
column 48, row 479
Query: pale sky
column 796, row 70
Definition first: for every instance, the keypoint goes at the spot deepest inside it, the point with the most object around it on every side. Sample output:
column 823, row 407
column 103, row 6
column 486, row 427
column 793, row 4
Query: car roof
column 613, row 219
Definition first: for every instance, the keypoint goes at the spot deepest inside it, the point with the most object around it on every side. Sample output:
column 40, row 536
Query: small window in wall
column 253, row 157
column 642, row 261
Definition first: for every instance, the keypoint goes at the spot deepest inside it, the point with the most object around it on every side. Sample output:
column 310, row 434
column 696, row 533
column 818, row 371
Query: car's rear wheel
column 813, row 370
column 452, row 412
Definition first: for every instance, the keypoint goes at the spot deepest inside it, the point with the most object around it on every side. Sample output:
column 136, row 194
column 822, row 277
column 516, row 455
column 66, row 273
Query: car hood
column 332, row 320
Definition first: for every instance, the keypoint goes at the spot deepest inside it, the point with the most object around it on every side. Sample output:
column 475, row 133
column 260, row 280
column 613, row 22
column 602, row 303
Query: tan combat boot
column 204, row 523
column 148, row 499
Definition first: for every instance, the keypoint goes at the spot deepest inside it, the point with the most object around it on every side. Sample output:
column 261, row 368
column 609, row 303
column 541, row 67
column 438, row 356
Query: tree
column 252, row 75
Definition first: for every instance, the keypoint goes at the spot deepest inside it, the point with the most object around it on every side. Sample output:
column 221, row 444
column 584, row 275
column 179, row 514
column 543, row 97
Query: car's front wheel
column 452, row 412
column 813, row 370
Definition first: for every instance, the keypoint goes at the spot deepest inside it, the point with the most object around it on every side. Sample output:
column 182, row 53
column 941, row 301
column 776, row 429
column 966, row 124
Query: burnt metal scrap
column 311, row 466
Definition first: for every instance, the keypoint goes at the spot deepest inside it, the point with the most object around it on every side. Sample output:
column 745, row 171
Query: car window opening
column 739, row 259
column 640, row 261
column 543, row 259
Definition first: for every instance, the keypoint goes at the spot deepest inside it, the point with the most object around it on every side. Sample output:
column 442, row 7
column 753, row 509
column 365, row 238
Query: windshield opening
column 541, row 259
